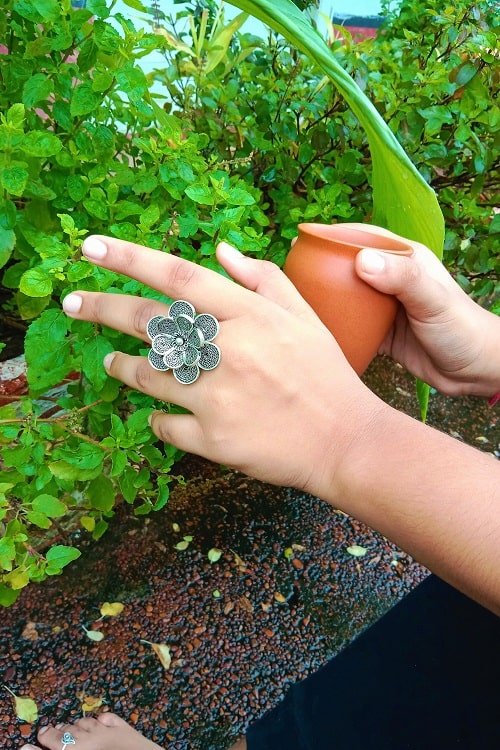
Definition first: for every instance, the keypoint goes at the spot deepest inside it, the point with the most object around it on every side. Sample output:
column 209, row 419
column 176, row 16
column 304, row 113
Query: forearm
column 435, row 497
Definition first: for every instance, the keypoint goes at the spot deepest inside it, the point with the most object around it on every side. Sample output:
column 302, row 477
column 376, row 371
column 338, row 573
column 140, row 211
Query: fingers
column 182, row 430
column 137, row 373
column 420, row 281
column 129, row 315
column 175, row 277
column 265, row 278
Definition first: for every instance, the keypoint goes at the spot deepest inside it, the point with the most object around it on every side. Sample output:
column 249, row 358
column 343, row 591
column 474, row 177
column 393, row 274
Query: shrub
column 243, row 139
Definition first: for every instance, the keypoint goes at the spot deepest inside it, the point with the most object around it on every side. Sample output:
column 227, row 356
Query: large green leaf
column 402, row 201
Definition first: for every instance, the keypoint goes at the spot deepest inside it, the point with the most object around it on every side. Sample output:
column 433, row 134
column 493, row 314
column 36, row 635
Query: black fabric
column 426, row 676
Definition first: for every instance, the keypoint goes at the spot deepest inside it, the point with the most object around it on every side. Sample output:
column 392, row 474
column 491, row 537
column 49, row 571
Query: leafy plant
column 235, row 138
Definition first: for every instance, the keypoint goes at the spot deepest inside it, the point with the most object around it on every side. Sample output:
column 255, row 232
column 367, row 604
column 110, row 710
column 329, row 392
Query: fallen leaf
column 279, row 597
column 94, row 635
column 288, row 553
column 216, row 594
column 356, row 551
column 266, row 606
column 228, row 608
column 112, row 609
column 239, row 562
column 90, row 703
column 26, row 708
column 245, row 603
column 30, row 632
column 181, row 546
column 163, row 653
column 214, row 554
column 176, row 527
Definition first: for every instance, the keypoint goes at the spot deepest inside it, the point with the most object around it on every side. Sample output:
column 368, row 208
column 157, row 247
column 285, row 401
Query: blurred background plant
column 236, row 137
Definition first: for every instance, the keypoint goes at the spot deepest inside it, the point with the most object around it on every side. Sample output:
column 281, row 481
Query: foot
column 107, row 732
column 240, row 745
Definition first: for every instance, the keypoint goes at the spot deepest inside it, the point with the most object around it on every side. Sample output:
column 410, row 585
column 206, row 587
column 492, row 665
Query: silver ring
column 67, row 739
column 182, row 342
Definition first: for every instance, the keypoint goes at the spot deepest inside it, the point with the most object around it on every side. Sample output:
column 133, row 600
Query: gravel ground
column 284, row 597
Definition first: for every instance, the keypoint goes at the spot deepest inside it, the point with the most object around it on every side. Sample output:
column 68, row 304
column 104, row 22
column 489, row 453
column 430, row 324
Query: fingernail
column 108, row 359
column 231, row 251
column 72, row 303
column 42, row 730
column 372, row 261
column 29, row 747
column 94, row 249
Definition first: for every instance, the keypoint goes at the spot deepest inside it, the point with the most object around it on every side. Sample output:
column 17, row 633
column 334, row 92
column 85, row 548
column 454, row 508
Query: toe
column 111, row 720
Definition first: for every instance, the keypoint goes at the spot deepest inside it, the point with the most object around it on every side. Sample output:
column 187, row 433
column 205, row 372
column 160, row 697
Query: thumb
column 419, row 281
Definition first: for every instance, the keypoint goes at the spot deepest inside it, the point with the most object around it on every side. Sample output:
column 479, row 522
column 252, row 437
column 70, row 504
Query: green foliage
column 242, row 139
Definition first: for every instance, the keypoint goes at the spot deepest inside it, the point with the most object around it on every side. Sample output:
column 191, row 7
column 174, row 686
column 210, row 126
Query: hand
column 283, row 405
column 440, row 334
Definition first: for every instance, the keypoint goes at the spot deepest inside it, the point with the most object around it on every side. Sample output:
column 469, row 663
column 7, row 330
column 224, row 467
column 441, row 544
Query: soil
column 284, row 597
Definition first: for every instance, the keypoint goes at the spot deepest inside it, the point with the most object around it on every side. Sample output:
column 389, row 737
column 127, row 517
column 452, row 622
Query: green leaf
column 83, row 461
column 214, row 554
column 35, row 283
column 201, row 194
column 84, row 100
column 356, row 551
column 7, row 242
column 50, row 10
column 101, row 493
column 93, row 354
column 37, row 89
column 16, row 115
column 402, row 201
column 41, row 143
column 7, row 552
column 136, row 5
column 49, row 505
column 47, row 350
column 8, row 214
column 59, row 556
column 14, row 180
column 39, row 519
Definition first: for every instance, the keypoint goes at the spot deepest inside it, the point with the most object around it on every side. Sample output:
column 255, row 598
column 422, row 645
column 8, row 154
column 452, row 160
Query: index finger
column 175, row 277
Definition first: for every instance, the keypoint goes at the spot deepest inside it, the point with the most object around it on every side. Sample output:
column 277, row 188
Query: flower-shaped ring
column 182, row 342
column 67, row 739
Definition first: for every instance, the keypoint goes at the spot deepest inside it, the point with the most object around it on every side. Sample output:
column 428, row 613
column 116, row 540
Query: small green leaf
column 41, row 143
column 26, row 708
column 35, row 283
column 14, row 180
column 356, row 551
column 93, row 354
column 49, row 505
column 214, row 554
column 84, row 100
column 59, row 556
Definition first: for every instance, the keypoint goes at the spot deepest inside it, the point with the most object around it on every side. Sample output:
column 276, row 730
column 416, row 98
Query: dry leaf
column 162, row 651
column 30, row 632
column 239, row 562
column 112, row 609
column 89, row 702
column 245, row 603
column 26, row 708
column 228, row 608
column 279, row 597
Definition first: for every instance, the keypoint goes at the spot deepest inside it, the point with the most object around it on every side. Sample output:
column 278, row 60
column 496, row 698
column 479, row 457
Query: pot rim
column 367, row 236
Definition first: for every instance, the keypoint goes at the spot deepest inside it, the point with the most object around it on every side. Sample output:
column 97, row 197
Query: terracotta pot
column 321, row 266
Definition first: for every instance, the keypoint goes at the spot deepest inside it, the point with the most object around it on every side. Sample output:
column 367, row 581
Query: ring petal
column 210, row 357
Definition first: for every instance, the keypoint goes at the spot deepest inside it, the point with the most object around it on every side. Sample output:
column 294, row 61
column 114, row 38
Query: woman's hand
column 440, row 334
column 283, row 405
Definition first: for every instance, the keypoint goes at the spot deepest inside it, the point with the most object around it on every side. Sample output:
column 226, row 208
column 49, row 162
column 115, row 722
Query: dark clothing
column 426, row 676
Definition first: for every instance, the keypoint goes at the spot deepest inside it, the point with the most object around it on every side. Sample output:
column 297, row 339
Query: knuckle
column 182, row 275
column 143, row 375
column 140, row 317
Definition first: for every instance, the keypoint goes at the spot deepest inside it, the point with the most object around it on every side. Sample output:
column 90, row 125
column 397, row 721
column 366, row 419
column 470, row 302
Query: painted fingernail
column 108, row 360
column 72, row 303
column 372, row 261
column 94, row 249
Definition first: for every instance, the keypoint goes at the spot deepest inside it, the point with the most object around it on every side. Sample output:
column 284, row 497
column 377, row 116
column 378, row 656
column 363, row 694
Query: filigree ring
column 67, row 739
column 182, row 342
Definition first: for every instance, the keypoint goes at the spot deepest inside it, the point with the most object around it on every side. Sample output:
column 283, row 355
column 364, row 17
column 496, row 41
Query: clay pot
column 321, row 266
